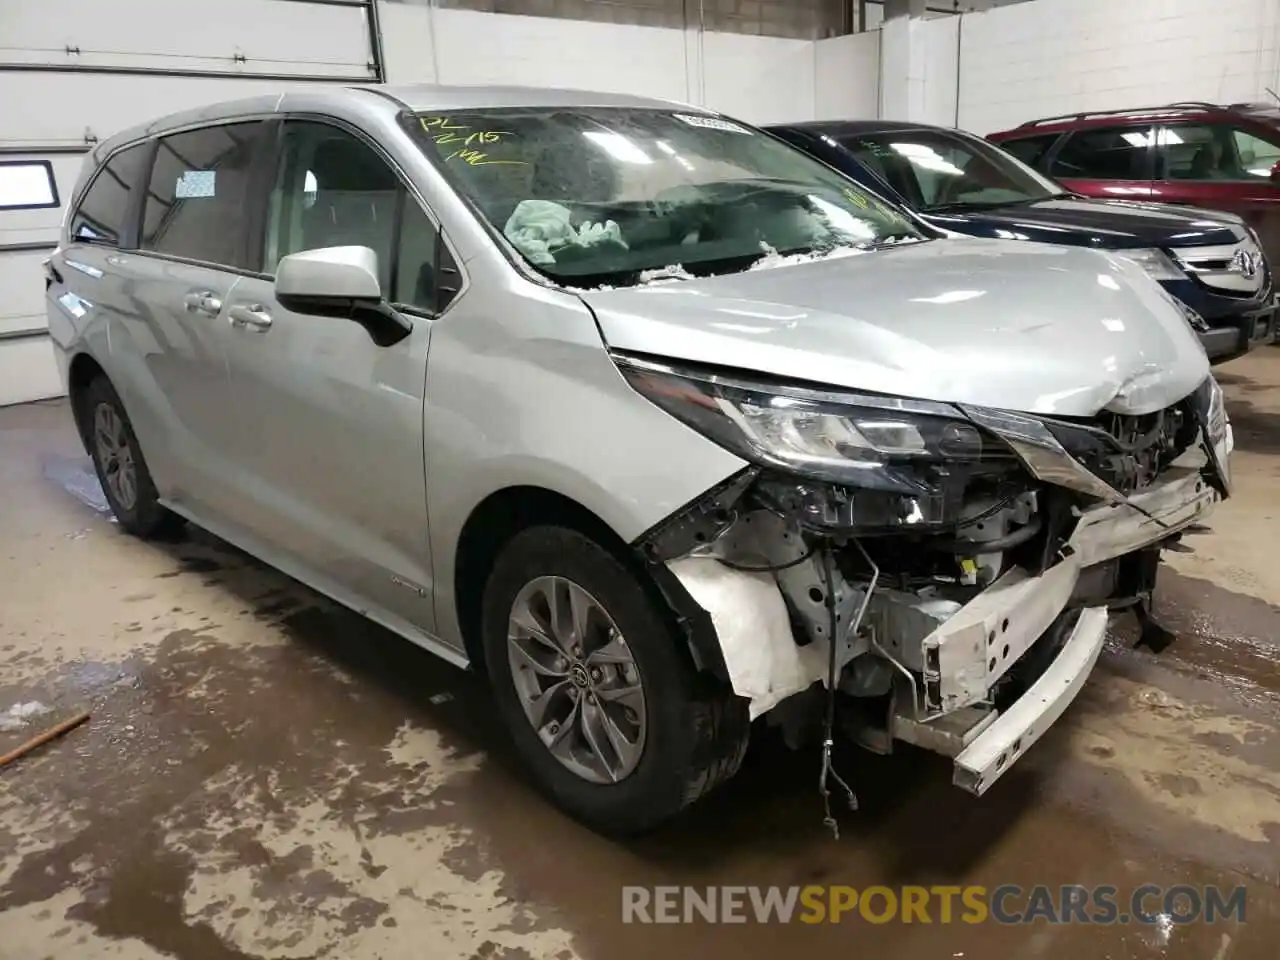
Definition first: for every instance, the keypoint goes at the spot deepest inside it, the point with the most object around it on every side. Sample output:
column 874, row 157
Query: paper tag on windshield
column 712, row 123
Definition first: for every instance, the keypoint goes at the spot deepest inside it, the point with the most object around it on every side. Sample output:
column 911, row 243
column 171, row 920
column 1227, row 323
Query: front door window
column 333, row 190
column 1105, row 153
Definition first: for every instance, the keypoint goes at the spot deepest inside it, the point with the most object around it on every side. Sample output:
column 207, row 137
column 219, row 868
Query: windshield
column 935, row 170
column 615, row 196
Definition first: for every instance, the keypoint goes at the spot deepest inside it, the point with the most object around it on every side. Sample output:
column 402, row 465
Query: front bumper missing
column 1013, row 732
column 967, row 653
column 982, row 640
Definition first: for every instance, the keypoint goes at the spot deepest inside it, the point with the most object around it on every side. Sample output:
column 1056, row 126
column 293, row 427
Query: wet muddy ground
column 265, row 775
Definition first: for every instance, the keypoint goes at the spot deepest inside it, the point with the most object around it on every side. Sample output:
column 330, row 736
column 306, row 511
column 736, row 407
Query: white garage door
column 73, row 72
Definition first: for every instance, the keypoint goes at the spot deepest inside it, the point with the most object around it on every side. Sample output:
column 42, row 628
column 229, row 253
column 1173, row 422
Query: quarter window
column 333, row 190
column 199, row 192
column 102, row 214
column 1030, row 150
column 1257, row 156
column 27, row 185
column 1213, row 152
column 1107, row 153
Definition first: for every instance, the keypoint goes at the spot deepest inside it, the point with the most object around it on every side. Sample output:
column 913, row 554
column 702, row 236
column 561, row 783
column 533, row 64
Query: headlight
column 849, row 460
column 1216, row 416
column 1196, row 321
column 1158, row 264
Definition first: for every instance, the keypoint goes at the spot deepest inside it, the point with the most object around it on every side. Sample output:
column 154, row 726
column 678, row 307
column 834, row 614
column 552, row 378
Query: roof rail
column 1183, row 105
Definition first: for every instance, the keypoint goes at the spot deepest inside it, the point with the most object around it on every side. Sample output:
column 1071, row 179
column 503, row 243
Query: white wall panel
column 463, row 47
column 918, row 72
column 847, row 71
column 546, row 52
column 938, row 71
column 1031, row 60
column 408, row 43
column 28, row 371
column 100, row 104
column 759, row 79
column 49, row 100
column 895, row 69
column 21, row 291
column 256, row 36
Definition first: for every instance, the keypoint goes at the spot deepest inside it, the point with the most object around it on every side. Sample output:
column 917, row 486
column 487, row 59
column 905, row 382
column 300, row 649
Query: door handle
column 204, row 301
column 255, row 317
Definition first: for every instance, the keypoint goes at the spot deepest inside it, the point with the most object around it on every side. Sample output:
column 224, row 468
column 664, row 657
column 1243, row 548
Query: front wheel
column 602, row 701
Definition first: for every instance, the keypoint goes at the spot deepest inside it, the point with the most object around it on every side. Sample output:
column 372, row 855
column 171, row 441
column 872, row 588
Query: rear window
column 199, row 190
column 1106, row 153
column 101, row 216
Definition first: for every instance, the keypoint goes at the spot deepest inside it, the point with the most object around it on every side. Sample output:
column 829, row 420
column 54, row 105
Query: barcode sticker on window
column 194, row 184
column 711, row 123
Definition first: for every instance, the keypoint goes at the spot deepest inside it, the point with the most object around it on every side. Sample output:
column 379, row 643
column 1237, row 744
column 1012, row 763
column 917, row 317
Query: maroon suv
column 1198, row 154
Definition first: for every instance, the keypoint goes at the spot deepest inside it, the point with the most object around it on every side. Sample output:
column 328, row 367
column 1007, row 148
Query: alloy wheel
column 115, row 455
column 577, row 679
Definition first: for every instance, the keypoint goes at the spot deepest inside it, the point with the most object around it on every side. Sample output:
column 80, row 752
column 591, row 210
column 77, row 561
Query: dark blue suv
column 1210, row 261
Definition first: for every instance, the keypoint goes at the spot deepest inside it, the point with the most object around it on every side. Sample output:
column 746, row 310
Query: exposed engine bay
column 926, row 603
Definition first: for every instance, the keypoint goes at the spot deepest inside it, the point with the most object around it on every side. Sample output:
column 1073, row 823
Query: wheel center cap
column 578, row 674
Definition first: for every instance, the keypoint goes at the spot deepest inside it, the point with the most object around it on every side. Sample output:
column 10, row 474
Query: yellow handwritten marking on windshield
column 484, row 136
column 446, row 133
column 866, row 204
column 476, row 158
column 430, row 123
column 857, row 199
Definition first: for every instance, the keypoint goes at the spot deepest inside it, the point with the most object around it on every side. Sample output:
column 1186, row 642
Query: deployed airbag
column 541, row 228
column 754, row 629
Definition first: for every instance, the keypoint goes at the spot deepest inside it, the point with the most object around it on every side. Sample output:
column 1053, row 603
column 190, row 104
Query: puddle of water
column 76, row 476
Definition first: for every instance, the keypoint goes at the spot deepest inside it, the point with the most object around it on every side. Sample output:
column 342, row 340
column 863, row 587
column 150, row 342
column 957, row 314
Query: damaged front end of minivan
column 913, row 570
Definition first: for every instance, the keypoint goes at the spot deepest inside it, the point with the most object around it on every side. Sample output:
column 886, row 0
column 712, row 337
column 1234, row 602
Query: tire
column 135, row 504
column 695, row 730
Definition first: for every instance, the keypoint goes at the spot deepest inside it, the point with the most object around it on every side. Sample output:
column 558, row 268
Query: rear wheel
column 121, row 468
column 598, row 694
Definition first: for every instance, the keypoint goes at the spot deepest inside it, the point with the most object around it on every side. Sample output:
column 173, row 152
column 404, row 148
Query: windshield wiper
column 897, row 240
column 962, row 205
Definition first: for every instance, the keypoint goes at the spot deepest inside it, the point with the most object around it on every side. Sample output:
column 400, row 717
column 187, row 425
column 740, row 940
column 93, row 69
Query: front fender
column 536, row 401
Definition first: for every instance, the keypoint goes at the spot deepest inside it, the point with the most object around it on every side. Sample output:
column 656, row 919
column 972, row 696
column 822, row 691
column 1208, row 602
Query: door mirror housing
column 1275, row 173
column 330, row 273
column 340, row 282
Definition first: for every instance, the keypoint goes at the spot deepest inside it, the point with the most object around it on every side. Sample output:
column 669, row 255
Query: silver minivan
column 660, row 423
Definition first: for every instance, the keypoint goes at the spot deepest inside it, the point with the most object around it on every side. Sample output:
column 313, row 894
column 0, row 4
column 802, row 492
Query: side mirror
column 340, row 282
column 1275, row 173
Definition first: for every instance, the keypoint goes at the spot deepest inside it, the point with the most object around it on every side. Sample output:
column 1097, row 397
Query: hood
column 1108, row 224
column 1006, row 324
